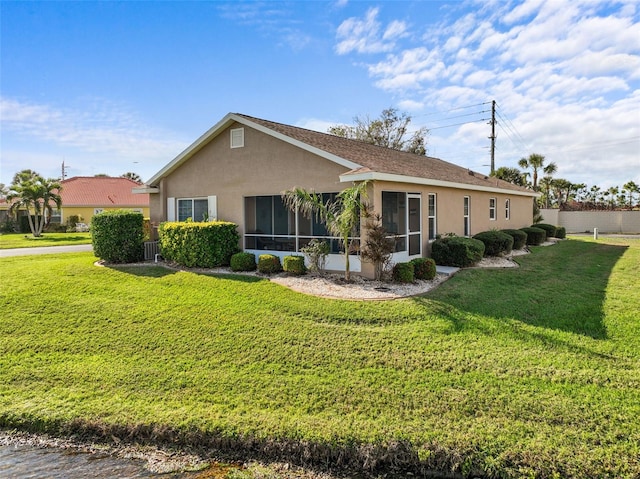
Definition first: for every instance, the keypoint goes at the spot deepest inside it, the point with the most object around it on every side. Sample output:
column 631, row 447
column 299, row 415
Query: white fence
column 585, row 221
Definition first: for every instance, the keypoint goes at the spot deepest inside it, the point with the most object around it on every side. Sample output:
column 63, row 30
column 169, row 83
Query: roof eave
column 377, row 176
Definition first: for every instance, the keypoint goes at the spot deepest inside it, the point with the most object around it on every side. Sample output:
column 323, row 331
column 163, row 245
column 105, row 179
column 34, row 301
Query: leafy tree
column 512, row 175
column 536, row 163
column 546, row 183
column 390, row 130
column 132, row 176
column 341, row 216
column 36, row 194
column 631, row 188
column 562, row 190
column 612, row 192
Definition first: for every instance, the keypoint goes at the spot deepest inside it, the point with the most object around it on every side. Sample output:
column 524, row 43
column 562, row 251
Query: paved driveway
column 45, row 250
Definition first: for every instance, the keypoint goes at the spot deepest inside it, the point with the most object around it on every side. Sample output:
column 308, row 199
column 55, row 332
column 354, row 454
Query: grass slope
column 532, row 371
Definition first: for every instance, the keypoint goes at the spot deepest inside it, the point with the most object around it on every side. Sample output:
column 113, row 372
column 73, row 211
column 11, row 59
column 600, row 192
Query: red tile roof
column 101, row 191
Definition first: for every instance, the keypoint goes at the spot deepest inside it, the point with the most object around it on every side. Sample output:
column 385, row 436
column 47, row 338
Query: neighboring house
column 85, row 196
column 237, row 170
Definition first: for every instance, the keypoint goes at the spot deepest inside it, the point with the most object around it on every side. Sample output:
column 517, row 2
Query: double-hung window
column 492, row 208
column 466, row 216
column 432, row 216
column 195, row 208
column 507, row 209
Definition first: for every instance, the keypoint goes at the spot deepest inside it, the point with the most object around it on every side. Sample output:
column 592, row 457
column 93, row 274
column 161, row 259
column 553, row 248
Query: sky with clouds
column 112, row 87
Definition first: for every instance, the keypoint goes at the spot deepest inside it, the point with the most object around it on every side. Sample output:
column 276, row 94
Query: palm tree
column 132, row 176
column 612, row 192
column 632, row 188
column 512, row 175
column 536, row 163
column 32, row 192
column 341, row 216
column 546, row 183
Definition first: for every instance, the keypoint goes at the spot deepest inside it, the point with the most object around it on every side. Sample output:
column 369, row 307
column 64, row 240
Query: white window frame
column 492, row 209
column 193, row 200
column 507, row 209
column 237, row 138
column 432, row 218
column 466, row 215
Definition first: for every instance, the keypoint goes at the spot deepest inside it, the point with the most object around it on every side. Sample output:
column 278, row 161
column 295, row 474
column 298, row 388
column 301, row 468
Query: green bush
column 457, row 251
column 550, row 230
column 519, row 238
column 316, row 252
column 496, row 242
column 294, row 265
column 561, row 232
column 423, row 268
column 268, row 264
column 535, row 236
column 403, row 273
column 243, row 262
column 202, row 244
column 118, row 236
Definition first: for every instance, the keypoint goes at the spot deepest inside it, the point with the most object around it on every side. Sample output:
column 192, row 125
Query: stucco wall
column 586, row 221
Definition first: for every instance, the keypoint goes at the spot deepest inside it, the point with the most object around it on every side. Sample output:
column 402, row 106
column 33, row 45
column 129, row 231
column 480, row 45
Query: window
column 237, row 138
column 467, row 216
column 492, row 208
column 195, row 208
column 394, row 217
column 432, row 216
column 56, row 216
column 270, row 225
column 507, row 209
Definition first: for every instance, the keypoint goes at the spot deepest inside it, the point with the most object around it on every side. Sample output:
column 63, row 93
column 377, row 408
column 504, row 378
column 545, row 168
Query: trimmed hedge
column 294, row 265
column 550, row 230
column 118, row 236
column 201, row 244
column 561, row 232
column 243, row 262
column 403, row 273
column 495, row 242
column 457, row 251
column 519, row 238
column 423, row 268
column 268, row 264
column 535, row 236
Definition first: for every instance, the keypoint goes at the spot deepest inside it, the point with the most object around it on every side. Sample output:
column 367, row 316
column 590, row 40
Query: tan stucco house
column 237, row 170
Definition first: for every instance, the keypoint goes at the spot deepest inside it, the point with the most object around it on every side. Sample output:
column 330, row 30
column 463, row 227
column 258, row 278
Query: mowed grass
column 527, row 372
column 27, row 240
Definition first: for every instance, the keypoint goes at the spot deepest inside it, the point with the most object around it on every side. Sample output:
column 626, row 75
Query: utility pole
column 493, row 137
column 64, row 171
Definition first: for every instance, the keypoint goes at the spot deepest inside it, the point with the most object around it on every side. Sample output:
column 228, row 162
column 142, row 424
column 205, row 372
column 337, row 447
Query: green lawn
column 23, row 240
column 527, row 372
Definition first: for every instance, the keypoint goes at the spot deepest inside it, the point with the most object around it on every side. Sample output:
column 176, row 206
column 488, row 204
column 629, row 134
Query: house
column 237, row 170
column 85, row 196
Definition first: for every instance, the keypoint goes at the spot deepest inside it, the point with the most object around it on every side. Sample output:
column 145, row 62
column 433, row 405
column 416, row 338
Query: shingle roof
column 372, row 158
column 101, row 191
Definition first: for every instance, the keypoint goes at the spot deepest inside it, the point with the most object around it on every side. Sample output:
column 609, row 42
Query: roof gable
column 366, row 161
column 102, row 191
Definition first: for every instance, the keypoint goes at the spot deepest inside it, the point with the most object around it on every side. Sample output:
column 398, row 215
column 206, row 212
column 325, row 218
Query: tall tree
column 341, row 216
column 631, row 188
column 536, row 163
column 562, row 190
column 390, row 130
column 35, row 194
column 546, row 183
column 132, row 176
column 512, row 175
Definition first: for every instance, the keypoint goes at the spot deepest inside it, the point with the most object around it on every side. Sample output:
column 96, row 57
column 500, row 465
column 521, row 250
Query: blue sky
column 111, row 87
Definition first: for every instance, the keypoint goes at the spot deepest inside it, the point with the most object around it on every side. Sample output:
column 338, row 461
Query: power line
column 458, row 124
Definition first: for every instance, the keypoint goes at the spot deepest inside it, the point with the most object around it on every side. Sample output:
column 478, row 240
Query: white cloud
column 364, row 36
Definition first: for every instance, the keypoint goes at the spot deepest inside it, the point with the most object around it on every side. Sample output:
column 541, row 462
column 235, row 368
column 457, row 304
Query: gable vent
column 237, row 138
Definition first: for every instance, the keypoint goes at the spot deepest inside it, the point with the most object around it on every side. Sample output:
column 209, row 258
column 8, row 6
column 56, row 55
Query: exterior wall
column 87, row 212
column 586, row 221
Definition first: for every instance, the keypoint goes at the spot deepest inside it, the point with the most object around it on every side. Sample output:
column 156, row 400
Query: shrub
column 495, row 242
column 243, row 262
column 118, row 236
column 72, row 221
column 403, row 273
column 561, row 232
column 535, row 236
column 202, row 244
column 268, row 264
column 378, row 246
column 316, row 252
column 550, row 230
column 423, row 268
column 519, row 238
column 457, row 251
column 294, row 265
